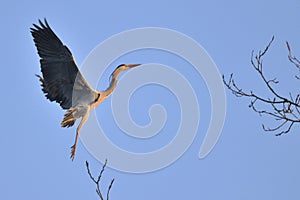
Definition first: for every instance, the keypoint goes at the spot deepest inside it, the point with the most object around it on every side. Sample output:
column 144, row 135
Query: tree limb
column 281, row 108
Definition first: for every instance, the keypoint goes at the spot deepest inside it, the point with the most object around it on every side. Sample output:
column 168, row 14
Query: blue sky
column 246, row 163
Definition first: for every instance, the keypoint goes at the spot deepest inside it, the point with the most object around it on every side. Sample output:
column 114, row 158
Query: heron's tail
column 69, row 118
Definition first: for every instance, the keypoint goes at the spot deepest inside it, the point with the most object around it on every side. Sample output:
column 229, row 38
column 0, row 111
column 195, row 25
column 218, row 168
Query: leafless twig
column 97, row 182
column 293, row 59
column 285, row 110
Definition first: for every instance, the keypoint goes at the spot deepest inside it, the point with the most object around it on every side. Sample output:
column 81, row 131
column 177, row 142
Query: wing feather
column 62, row 81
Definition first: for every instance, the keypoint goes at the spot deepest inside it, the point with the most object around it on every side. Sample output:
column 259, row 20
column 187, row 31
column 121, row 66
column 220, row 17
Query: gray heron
column 62, row 82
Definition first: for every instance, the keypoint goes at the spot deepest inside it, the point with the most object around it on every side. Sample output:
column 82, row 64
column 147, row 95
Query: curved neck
column 113, row 83
column 112, row 86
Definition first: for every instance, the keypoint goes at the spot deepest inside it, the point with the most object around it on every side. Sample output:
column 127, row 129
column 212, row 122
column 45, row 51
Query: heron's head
column 124, row 67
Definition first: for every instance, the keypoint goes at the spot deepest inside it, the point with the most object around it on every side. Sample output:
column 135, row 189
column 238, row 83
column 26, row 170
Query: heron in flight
column 62, row 81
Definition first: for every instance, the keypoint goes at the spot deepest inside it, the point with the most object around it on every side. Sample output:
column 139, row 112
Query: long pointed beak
column 133, row 65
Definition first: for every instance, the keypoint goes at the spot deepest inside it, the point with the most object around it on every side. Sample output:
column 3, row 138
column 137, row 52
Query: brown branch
column 283, row 109
column 97, row 182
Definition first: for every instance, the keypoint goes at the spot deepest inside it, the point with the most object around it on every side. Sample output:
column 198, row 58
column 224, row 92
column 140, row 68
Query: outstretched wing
column 62, row 81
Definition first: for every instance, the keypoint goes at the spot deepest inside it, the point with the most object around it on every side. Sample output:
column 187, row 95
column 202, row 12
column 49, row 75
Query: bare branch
column 281, row 108
column 97, row 182
column 292, row 58
column 109, row 187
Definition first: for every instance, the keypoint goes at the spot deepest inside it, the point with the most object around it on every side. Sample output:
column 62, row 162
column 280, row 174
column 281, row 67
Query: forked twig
column 97, row 182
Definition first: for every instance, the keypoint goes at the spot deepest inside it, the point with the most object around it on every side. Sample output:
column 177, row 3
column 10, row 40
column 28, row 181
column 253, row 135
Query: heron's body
column 62, row 81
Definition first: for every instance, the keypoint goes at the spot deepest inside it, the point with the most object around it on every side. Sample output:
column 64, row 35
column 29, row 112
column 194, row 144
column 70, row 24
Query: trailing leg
column 82, row 122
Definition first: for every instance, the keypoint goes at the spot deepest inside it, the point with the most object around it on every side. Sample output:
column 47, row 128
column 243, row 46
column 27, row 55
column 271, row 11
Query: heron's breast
column 99, row 100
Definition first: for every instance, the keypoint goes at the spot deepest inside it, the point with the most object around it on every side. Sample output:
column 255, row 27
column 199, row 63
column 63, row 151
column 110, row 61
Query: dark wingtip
column 38, row 76
column 41, row 25
column 46, row 23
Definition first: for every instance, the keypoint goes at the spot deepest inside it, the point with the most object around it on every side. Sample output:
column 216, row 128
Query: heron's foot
column 73, row 150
